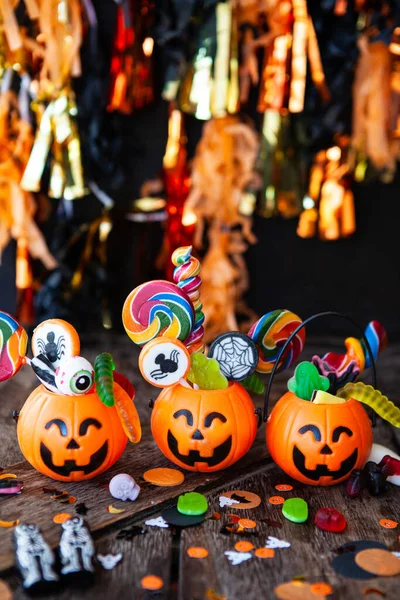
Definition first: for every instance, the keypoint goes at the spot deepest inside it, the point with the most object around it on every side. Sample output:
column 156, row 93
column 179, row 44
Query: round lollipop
column 157, row 308
column 270, row 333
column 13, row 343
column 56, row 340
column 163, row 362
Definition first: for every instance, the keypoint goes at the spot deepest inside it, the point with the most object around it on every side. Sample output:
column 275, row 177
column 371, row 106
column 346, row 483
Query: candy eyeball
column 74, row 376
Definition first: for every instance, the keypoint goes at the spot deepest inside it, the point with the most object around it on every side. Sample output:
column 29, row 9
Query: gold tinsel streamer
column 57, row 132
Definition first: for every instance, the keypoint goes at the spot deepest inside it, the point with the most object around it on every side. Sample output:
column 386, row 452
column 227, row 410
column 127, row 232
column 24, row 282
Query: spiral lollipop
column 270, row 333
column 13, row 342
column 157, row 308
column 186, row 276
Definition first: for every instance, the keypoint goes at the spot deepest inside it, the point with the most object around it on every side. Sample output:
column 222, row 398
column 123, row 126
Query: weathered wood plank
column 311, row 551
column 143, row 555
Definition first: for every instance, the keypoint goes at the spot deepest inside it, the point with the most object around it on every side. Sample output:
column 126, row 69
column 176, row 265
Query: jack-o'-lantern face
column 318, row 444
column 70, row 438
column 204, row 430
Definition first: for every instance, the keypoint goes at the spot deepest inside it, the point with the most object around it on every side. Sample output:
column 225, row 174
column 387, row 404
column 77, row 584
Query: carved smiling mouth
column 221, row 452
column 96, row 460
column 322, row 470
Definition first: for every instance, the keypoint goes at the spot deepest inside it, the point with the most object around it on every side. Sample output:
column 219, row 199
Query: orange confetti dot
column 247, row 523
column 244, row 546
column 197, row 552
column 61, row 518
column 71, row 500
column 283, row 487
column 265, row 552
column 152, row 582
column 276, row 500
column 164, row 477
column 8, row 476
column 8, row 524
column 321, row 589
column 388, row 523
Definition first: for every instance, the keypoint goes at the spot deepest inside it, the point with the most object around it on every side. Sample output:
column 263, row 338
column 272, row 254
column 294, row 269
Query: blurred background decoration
column 265, row 133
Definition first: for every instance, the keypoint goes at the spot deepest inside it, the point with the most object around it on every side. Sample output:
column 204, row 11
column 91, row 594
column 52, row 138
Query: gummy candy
column 192, row 503
column 330, row 519
column 206, row 373
column 295, row 509
column 307, row 380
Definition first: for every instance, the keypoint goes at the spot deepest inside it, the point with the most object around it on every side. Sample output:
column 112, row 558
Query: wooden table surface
column 163, row 552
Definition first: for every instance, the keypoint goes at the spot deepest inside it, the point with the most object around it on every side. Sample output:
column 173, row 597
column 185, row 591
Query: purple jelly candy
column 330, row 519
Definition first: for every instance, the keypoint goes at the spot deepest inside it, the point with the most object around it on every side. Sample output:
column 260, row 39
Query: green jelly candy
column 295, row 509
column 307, row 380
column 192, row 503
column 206, row 372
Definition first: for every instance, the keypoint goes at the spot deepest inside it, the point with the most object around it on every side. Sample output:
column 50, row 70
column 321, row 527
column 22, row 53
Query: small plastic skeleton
column 52, row 349
column 34, row 556
column 167, row 365
column 76, row 547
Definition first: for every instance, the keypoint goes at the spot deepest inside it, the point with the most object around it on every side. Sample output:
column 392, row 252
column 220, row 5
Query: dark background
column 358, row 276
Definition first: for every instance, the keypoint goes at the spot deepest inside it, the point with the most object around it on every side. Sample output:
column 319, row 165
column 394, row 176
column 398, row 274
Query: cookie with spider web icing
column 164, row 361
column 236, row 354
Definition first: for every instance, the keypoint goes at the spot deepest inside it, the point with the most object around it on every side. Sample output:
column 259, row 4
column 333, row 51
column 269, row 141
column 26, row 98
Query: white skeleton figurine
column 34, row 556
column 75, row 543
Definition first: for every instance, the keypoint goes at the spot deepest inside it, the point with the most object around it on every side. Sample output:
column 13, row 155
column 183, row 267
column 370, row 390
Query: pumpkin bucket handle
column 295, row 332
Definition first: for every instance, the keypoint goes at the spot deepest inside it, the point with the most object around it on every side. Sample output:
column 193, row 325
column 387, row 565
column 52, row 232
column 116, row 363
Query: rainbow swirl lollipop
column 270, row 333
column 186, row 276
column 157, row 308
column 13, row 343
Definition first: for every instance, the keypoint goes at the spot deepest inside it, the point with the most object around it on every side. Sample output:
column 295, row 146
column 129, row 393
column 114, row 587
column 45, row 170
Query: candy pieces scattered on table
column 378, row 562
column 295, row 510
column 164, row 476
column 35, row 560
column 192, row 503
column 197, row 552
column 345, row 565
column 124, row 487
column 330, row 519
column 9, row 486
column 307, row 380
column 163, row 362
column 109, row 561
column 378, row 452
column 206, row 373
column 236, row 354
column 239, row 499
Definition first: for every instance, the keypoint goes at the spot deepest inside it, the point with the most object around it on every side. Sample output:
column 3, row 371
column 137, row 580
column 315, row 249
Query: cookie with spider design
column 163, row 362
column 56, row 340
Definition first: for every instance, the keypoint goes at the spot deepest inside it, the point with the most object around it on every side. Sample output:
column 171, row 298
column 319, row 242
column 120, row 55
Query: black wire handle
column 328, row 313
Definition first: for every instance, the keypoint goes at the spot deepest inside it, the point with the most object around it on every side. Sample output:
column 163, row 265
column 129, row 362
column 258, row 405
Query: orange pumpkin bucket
column 204, row 430
column 318, row 442
column 71, row 438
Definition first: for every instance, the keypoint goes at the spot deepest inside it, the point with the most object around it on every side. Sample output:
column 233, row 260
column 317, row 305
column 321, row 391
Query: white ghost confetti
column 158, row 522
column 273, row 542
column 225, row 501
column 237, row 557
column 396, row 554
column 109, row 561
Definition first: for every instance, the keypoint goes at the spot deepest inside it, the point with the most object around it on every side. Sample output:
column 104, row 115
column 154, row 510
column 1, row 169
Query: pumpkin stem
column 372, row 398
